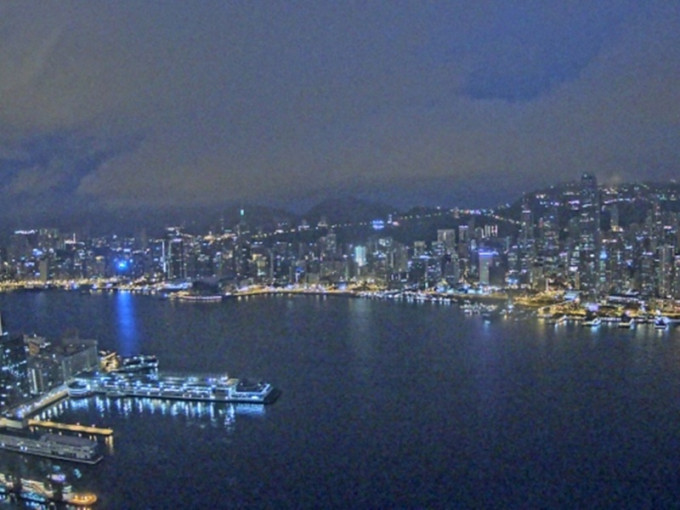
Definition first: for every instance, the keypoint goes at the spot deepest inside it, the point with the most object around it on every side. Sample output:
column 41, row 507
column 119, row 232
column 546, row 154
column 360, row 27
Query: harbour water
column 384, row 404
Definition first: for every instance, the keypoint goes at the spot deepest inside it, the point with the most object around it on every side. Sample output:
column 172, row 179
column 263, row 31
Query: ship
column 139, row 363
column 206, row 389
column 198, row 298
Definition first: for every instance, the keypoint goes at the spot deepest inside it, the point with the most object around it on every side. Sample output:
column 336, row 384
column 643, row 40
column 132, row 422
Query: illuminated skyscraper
column 14, row 374
column 664, row 270
column 589, row 233
column 485, row 261
column 447, row 237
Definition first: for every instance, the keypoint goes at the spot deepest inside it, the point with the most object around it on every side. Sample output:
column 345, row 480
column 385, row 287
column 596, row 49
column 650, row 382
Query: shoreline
column 554, row 308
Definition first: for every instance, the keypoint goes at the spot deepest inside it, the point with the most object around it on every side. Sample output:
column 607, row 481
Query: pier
column 84, row 429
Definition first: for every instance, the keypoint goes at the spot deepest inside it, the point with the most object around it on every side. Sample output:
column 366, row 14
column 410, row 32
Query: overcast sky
column 197, row 102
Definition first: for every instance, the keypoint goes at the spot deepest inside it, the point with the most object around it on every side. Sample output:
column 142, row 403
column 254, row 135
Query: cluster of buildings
column 580, row 236
column 33, row 366
column 601, row 241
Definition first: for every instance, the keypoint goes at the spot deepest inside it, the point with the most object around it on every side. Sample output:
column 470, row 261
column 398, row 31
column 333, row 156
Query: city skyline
column 125, row 106
column 580, row 236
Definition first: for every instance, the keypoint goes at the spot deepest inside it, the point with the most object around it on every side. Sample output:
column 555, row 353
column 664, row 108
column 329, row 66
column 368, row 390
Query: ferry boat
column 199, row 298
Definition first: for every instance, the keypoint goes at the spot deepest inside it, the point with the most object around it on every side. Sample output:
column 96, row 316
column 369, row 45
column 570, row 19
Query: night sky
column 125, row 103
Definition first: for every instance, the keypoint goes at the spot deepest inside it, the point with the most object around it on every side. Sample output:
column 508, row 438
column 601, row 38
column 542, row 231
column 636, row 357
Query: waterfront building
column 50, row 364
column 77, row 356
column 176, row 262
column 14, row 382
column 675, row 289
column 664, row 268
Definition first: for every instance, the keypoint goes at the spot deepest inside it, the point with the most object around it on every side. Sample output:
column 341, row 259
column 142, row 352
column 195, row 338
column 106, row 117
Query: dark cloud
column 530, row 49
column 206, row 102
column 57, row 162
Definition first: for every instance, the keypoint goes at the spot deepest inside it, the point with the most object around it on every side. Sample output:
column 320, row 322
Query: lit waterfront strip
column 71, row 427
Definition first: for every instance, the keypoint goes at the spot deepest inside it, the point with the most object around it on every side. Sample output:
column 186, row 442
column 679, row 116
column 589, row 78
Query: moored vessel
column 208, row 389
column 593, row 322
column 660, row 323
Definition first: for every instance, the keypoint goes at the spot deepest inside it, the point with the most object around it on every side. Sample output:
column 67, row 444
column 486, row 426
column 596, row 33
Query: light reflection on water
column 126, row 324
column 217, row 414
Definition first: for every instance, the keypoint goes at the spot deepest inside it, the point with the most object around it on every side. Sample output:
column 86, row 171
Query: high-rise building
column 447, row 237
column 676, row 277
column 485, row 262
column 14, row 384
column 176, row 263
column 589, row 233
column 360, row 256
column 664, row 269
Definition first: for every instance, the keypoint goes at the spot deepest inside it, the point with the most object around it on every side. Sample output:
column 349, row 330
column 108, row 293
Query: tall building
column 664, row 270
column 360, row 258
column 176, row 265
column 447, row 237
column 14, row 384
column 589, row 233
column 485, row 261
column 676, row 277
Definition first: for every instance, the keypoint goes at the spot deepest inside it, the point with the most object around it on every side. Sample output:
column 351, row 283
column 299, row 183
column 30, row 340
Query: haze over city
column 113, row 106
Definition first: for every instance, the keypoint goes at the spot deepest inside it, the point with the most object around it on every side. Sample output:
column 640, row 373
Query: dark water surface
column 384, row 405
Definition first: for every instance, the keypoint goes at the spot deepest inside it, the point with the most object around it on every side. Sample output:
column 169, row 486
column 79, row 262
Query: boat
column 139, row 363
column 660, row 323
column 558, row 319
column 592, row 323
column 78, row 389
column 200, row 298
column 207, row 389
column 251, row 391
column 626, row 322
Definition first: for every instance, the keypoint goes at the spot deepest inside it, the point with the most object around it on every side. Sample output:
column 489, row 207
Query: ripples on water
column 384, row 404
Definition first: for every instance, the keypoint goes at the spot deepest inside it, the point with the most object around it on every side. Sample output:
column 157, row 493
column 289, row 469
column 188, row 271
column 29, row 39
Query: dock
column 83, row 429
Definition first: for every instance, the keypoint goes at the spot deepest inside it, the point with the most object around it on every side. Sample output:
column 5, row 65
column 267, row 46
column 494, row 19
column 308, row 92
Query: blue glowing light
column 122, row 265
column 378, row 224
